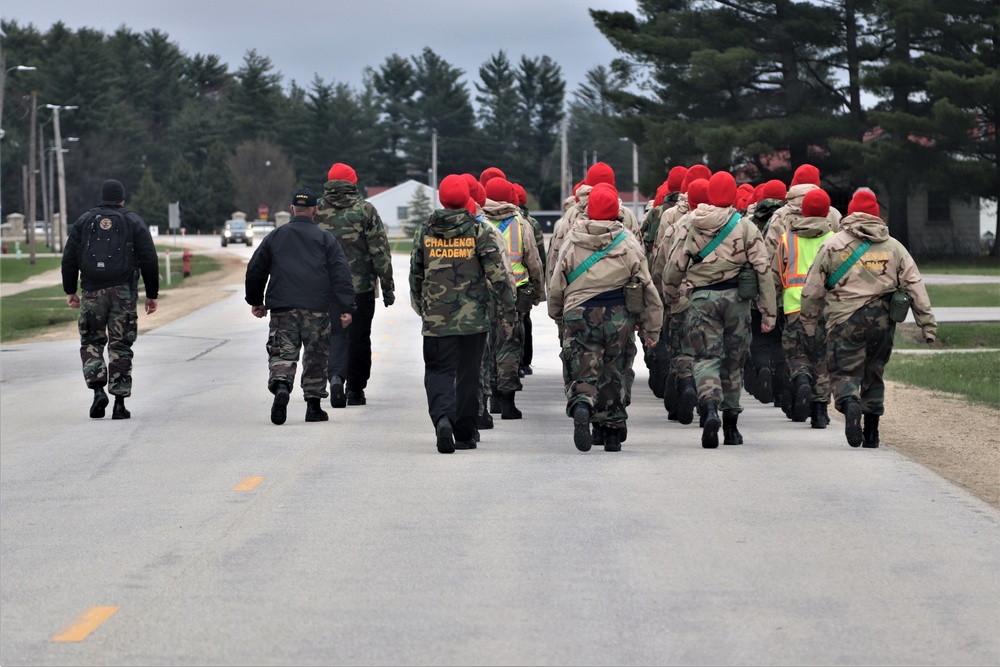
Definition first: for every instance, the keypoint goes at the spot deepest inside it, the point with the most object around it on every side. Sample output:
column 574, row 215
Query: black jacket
column 138, row 242
column 307, row 269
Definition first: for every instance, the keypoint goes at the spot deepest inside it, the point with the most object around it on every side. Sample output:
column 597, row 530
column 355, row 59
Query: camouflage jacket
column 357, row 225
column 677, row 233
column 458, row 283
column 496, row 212
column 652, row 221
column 611, row 272
column 781, row 219
column 742, row 246
column 884, row 268
column 537, row 229
column 762, row 212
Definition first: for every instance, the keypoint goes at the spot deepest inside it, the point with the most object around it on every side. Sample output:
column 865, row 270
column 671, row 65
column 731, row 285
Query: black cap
column 112, row 190
column 304, row 198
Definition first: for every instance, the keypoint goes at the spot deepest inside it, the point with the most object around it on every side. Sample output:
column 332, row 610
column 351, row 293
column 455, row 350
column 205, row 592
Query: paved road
column 362, row 544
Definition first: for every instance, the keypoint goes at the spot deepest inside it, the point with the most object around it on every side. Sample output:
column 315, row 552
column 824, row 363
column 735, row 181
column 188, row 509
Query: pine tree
column 150, row 201
column 417, row 211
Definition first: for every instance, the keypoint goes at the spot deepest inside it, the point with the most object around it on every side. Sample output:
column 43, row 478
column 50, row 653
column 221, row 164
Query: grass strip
column 973, row 375
column 976, row 295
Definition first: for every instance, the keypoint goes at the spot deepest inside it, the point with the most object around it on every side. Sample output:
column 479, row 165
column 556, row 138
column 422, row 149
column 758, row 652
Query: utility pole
column 434, row 159
column 564, row 168
column 61, row 167
column 46, row 210
column 32, row 197
column 635, row 180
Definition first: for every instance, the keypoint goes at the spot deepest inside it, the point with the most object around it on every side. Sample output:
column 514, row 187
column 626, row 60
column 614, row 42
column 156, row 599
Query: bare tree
column 262, row 175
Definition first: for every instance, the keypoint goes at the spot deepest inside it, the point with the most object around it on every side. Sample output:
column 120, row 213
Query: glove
column 388, row 298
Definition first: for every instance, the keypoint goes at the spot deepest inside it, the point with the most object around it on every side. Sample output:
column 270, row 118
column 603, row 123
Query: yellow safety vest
column 800, row 253
column 511, row 230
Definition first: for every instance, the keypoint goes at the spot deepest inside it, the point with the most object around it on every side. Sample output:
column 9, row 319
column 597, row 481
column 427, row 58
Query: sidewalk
column 47, row 279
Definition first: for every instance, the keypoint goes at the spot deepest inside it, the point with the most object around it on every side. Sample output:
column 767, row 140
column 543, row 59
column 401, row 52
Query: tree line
column 898, row 94
column 176, row 127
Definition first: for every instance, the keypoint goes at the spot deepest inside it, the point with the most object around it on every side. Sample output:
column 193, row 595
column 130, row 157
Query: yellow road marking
column 85, row 623
column 248, row 484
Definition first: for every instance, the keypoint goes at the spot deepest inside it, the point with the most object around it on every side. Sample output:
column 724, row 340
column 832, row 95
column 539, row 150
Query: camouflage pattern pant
column 108, row 317
column 486, row 363
column 682, row 359
column 293, row 329
column 806, row 355
column 507, row 358
column 857, row 352
column 598, row 352
column 718, row 334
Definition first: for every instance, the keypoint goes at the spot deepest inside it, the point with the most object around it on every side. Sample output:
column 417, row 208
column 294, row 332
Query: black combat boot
column 314, row 413
column 687, row 401
column 495, row 406
column 701, row 416
column 826, row 415
column 710, row 435
column 816, row 418
column 670, row 394
column 802, row 398
column 730, row 434
column 597, row 438
column 852, row 414
column 581, row 427
column 280, row 405
column 356, row 397
column 507, row 408
column 338, row 399
column 100, row 402
column 763, row 387
column 119, row 411
column 445, row 436
column 528, row 370
column 612, row 440
column 485, row 420
column 467, row 443
column 871, row 431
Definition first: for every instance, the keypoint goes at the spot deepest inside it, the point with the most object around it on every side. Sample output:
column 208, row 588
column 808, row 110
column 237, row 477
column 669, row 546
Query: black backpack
column 106, row 249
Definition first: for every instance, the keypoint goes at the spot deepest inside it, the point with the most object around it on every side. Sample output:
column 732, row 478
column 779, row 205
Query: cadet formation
column 733, row 292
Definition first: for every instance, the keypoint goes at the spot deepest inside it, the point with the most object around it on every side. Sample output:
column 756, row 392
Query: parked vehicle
column 237, row 231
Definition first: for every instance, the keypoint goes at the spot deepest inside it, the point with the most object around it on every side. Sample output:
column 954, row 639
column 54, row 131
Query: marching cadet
column 358, row 227
column 307, row 277
column 806, row 178
column 804, row 355
column 458, row 286
column 864, row 282
column 714, row 258
column 600, row 286
column 522, row 206
column 765, row 368
column 529, row 277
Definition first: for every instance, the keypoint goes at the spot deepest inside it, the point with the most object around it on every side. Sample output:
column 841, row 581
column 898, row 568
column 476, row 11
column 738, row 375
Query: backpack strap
column 846, row 266
column 505, row 224
column 593, row 259
column 719, row 238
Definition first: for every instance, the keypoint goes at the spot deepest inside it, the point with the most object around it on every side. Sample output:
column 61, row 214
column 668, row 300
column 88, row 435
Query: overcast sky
column 337, row 39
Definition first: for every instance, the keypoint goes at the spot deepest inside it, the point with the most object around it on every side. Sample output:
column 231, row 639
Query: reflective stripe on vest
column 799, row 256
column 515, row 249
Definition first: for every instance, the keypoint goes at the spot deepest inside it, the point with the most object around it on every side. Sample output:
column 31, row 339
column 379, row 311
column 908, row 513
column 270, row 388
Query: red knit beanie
column 742, row 200
column 694, row 173
column 661, row 194
column 816, row 204
column 863, row 202
column 806, row 174
column 603, row 204
column 600, row 172
column 489, row 174
column 675, row 179
column 758, row 193
column 697, row 193
column 522, row 196
column 722, row 189
column 499, row 190
column 453, row 192
column 471, row 205
column 773, row 189
column 342, row 172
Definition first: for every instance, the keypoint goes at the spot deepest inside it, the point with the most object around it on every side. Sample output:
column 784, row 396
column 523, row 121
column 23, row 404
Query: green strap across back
column 719, row 238
column 846, row 266
column 593, row 259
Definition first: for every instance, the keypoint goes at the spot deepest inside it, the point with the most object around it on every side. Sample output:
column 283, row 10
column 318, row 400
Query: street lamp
column 61, row 166
column 3, row 87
